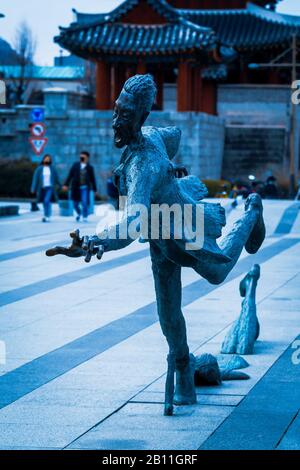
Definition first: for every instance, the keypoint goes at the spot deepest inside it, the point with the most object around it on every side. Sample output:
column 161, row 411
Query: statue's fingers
column 75, row 235
column 85, row 243
column 100, row 252
column 90, row 251
column 61, row 250
column 57, row 250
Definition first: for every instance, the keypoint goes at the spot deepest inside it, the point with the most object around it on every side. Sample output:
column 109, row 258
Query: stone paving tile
column 291, row 440
column 97, row 388
column 211, row 399
column 49, row 414
column 143, row 426
column 263, row 417
column 37, row 436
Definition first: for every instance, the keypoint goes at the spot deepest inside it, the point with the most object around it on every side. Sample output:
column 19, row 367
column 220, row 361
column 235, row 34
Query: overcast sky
column 44, row 17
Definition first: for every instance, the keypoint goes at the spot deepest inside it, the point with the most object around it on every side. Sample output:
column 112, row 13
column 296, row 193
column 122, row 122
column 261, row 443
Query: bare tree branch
column 25, row 46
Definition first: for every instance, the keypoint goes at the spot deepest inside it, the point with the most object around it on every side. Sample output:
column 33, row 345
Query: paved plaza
column 83, row 359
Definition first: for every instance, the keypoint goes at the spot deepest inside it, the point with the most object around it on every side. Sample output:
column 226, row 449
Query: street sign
column 38, row 129
column 38, row 144
column 37, row 115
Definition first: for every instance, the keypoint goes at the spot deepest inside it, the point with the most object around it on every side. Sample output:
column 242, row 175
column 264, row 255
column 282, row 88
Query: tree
column 25, row 47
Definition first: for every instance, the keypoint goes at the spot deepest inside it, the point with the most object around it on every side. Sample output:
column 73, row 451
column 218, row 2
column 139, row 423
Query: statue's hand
column 92, row 246
column 80, row 246
column 75, row 250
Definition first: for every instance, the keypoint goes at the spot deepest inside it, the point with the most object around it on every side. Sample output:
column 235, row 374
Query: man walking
column 82, row 179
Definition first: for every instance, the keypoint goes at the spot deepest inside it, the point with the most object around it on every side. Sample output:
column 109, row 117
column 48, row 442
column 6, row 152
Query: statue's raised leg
column 167, row 279
column 248, row 232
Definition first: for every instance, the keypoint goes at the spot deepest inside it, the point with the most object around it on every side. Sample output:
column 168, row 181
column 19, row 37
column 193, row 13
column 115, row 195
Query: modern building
column 36, row 79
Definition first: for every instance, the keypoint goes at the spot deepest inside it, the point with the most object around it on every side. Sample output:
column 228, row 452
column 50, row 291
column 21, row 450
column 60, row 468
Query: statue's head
column 132, row 108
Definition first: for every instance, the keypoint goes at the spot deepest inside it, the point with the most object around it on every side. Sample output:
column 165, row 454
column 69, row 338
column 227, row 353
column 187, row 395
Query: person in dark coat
column 82, row 179
column 44, row 183
column 271, row 189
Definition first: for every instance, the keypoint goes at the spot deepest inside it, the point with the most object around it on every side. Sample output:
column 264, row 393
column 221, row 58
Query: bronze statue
column 211, row 370
column 147, row 176
column 244, row 332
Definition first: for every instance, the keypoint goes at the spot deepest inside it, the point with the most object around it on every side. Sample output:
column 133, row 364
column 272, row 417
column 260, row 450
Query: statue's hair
column 143, row 88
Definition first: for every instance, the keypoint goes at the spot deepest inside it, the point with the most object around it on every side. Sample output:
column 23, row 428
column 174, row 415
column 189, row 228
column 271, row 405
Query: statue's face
column 128, row 119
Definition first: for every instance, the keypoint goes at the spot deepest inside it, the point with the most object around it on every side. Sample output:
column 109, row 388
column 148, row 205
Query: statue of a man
column 147, row 176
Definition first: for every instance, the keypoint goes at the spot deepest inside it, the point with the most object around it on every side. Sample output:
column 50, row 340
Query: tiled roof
column 44, row 73
column 86, row 18
column 183, row 31
column 251, row 28
column 106, row 34
column 160, row 6
column 123, row 39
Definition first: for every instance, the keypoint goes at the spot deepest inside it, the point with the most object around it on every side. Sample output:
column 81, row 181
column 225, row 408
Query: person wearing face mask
column 82, row 179
column 44, row 182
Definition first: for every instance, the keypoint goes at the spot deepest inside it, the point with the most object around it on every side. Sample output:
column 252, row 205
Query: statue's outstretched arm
column 80, row 246
column 139, row 189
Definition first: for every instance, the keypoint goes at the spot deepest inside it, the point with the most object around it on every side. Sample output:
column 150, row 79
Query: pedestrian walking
column 82, row 179
column 271, row 188
column 44, row 183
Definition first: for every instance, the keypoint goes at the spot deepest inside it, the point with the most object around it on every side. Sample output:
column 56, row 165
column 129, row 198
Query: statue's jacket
column 146, row 176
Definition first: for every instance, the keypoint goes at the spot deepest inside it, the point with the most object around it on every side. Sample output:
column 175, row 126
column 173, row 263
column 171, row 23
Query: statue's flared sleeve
column 141, row 177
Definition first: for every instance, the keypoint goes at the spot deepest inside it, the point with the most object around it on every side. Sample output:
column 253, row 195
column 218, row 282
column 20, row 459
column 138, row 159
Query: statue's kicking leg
column 249, row 232
column 167, row 279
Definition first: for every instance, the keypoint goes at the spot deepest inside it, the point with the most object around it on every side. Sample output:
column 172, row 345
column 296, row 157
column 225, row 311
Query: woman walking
column 44, row 182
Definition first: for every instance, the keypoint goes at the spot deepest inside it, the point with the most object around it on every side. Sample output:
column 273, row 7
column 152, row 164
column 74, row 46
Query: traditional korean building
column 188, row 45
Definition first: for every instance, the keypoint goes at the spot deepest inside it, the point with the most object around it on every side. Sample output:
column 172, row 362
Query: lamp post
column 293, row 116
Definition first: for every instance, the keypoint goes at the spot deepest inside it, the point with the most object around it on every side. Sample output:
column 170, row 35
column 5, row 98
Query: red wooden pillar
column 129, row 72
column 141, row 68
column 196, row 100
column 103, row 85
column 159, row 79
column 118, row 80
column 209, row 97
column 183, row 86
